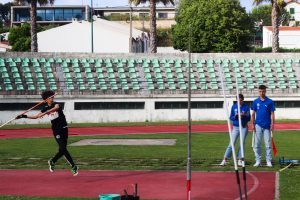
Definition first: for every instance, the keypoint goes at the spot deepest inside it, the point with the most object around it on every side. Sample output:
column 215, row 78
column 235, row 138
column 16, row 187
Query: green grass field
column 207, row 152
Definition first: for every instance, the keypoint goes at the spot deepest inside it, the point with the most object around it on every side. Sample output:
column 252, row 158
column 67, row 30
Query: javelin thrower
column 59, row 128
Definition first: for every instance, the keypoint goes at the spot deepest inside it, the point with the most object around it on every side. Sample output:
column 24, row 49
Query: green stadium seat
column 51, row 60
column 42, row 60
column 18, row 60
column 39, row 75
column 250, row 85
column 114, row 87
column 16, row 75
column 92, row 86
column 135, row 86
column 110, row 70
column 172, row 86
column 42, row 86
column 282, row 84
column 26, row 69
column 37, row 69
column 214, row 85
column 8, row 87
column 20, row 87
column 182, row 86
column 58, row 60
column 99, row 70
column 53, row 87
column 293, row 84
column 5, row 75
column 203, row 86
column 24, row 64
column 26, row 60
column 3, row 69
column 271, row 85
column 50, row 75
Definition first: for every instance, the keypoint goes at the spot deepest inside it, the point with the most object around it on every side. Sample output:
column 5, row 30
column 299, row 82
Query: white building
column 108, row 37
column 293, row 7
column 289, row 37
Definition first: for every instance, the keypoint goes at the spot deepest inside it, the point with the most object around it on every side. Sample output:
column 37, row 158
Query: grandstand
column 146, row 83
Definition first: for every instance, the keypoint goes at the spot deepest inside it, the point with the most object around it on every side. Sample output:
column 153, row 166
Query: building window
column 68, row 14
column 163, row 15
column 184, row 104
column 22, row 15
column 40, row 15
column 109, row 105
column 49, row 15
column 77, row 13
column 58, row 14
column 292, row 11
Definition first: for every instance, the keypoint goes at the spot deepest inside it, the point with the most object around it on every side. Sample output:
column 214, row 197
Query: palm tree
column 153, row 44
column 33, row 30
column 275, row 22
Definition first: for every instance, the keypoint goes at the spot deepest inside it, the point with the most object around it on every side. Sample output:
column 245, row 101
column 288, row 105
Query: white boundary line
column 277, row 193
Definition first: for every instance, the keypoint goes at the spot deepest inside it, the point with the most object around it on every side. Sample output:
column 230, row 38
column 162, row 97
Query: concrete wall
column 137, row 115
column 214, row 56
column 149, row 113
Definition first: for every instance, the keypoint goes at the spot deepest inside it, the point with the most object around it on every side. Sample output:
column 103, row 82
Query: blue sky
column 102, row 3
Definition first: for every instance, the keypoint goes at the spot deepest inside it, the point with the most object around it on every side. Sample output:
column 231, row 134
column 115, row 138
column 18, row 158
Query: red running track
column 151, row 184
column 108, row 130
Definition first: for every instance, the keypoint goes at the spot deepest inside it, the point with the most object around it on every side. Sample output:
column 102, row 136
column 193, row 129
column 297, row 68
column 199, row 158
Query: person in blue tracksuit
column 263, row 118
column 235, row 133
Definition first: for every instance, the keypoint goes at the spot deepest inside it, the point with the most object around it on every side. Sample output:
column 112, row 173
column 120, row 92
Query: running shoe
column 257, row 164
column 51, row 165
column 223, row 163
column 74, row 170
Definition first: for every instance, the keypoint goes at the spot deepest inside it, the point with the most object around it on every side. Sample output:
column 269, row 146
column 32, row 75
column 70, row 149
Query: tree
column 212, row 26
column 33, row 30
column 263, row 13
column 19, row 38
column 153, row 40
column 276, row 4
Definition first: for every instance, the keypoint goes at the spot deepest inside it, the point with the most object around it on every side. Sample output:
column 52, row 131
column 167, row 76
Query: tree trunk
column 153, row 48
column 275, row 31
column 34, row 44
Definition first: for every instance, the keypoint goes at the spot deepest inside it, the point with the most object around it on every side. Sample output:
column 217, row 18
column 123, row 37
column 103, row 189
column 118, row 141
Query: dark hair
column 46, row 94
column 262, row 87
column 241, row 96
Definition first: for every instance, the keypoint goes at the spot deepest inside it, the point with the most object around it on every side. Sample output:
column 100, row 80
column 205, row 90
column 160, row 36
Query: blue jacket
column 234, row 115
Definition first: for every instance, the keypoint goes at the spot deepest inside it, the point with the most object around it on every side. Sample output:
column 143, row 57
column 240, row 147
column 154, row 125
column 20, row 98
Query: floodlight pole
column 189, row 167
column 130, row 33
column 92, row 28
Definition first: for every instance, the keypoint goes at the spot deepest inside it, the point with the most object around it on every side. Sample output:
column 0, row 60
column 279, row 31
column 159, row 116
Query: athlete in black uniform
column 59, row 128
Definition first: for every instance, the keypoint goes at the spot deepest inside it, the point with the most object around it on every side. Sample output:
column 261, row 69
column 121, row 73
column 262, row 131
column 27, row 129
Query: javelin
column 241, row 138
column 229, row 131
column 27, row 110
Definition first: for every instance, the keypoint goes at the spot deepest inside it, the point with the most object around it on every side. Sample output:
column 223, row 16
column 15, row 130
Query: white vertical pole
column 229, row 131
